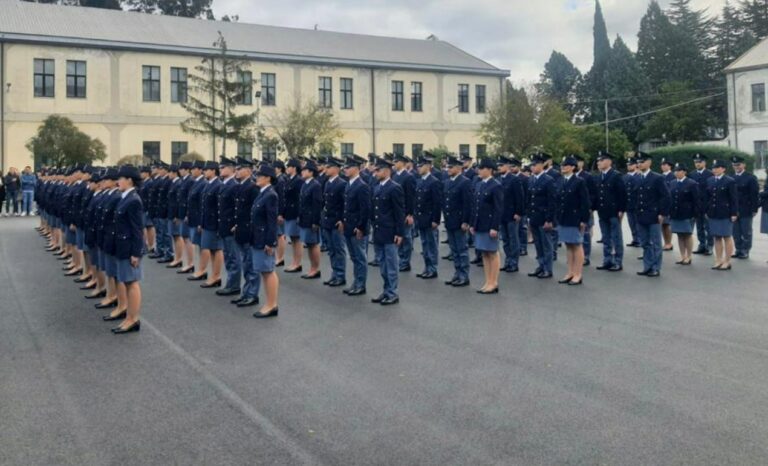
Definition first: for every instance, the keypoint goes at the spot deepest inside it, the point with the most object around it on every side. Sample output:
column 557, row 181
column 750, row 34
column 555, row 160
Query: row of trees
column 186, row 8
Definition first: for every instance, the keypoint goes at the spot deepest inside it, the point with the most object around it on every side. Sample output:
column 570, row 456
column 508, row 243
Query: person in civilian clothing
column 355, row 225
column 722, row 204
column 700, row 175
column 458, row 201
column 388, row 218
column 310, row 210
column 749, row 203
column 512, row 214
column 573, row 209
column 28, row 184
column 331, row 219
column 610, row 203
column 685, row 206
column 427, row 209
column 652, row 208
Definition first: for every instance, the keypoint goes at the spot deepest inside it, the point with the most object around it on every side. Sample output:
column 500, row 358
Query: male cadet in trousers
column 514, row 210
column 243, row 233
column 592, row 188
column 357, row 216
column 458, row 202
column 331, row 222
column 187, row 181
column 407, row 182
column 226, row 204
column 158, row 198
column 290, row 212
column 700, row 175
column 611, row 203
column 653, row 203
column 194, row 212
column 388, row 217
column 749, row 203
column 550, row 171
column 542, row 208
column 631, row 180
column 516, row 170
column 429, row 199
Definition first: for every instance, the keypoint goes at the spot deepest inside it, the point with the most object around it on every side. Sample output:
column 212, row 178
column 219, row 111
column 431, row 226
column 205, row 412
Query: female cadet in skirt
column 685, row 197
column 264, row 223
column 722, row 204
column 489, row 204
column 573, row 219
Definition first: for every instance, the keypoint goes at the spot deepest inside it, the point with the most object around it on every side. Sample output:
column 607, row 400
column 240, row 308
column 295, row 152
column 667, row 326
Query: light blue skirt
column 174, row 229
column 110, row 265
column 281, row 229
column 667, row 221
column 262, row 262
column 80, row 239
column 211, row 240
column 195, row 236
column 683, row 226
column 310, row 237
column 148, row 221
column 71, row 236
column 185, row 230
column 764, row 223
column 291, row 228
column 570, row 235
column 484, row 242
column 126, row 273
column 721, row 227
column 95, row 258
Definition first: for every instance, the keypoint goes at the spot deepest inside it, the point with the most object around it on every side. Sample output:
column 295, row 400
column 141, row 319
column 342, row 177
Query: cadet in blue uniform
column 106, row 239
column 158, row 199
column 749, row 191
column 388, row 218
column 289, row 214
column 182, row 201
column 279, row 187
column 513, row 213
column 457, row 211
column 610, row 203
column 652, row 208
column 666, row 229
column 486, row 224
column 542, row 204
column 194, row 212
column 722, row 204
column 226, row 207
column 407, row 181
column 685, row 206
column 331, row 220
column 552, row 172
column 144, row 193
column 310, row 210
column 172, row 211
column 592, row 188
column 211, row 243
column 427, row 214
column 764, row 213
column 631, row 180
column 516, row 170
column 700, row 175
column 96, row 281
column 129, row 247
column 243, row 233
column 355, row 225
column 572, row 218
column 264, row 224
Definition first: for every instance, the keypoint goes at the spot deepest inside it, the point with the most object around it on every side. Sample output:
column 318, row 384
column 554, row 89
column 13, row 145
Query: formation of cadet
column 228, row 224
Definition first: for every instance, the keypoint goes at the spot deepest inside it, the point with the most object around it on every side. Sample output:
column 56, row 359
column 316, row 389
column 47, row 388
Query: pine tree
column 185, row 8
column 755, row 14
column 628, row 86
column 732, row 36
column 601, row 44
column 694, row 22
column 559, row 78
column 592, row 89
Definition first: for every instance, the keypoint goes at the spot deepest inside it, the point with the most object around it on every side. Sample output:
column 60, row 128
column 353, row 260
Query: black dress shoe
column 337, row 283
column 101, row 294
column 228, row 292
column 356, row 292
column 165, row 261
column 133, row 328
column 604, row 267
column 271, row 313
column 450, row 282
column 314, row 276
column 88, row 287
column 700, row 251
column 215, row 284
column 198, row 278
column 523, row 253
column 378, row 299
column 503, row 269
column 82, row 280
column 184, row 271
column 586, row 262
column 616, row 268
column 154, row 255
column 565, row 281
column 248, row 302
column 236, row 300
column 476, row 261
column 644, row 272
column 493, row 291
column 390, row 301
column 544, row 276
column 109, row 318
column 296, row 270
column 653, row 274
column 105, row 306
column 373, row 263
column 535, row 273
column 429, row 275
column 573, row 283
column 174, row 266
column 708, row 253
column 512, row 270
column 405, row 268
column 460, row 283
column 447, row 258
column 280, row 264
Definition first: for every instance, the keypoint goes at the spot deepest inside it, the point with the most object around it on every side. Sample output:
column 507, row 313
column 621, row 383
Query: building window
column 397, row 96
column 758, row 97
column 245, row 150
column 346, row 93
column 482, row 150
column 761, row 150
column 178, row 148
column 347, row 149
column 416, row 104
column 325, row 88
column 268, row 96
column 463, row 98
column 76, row 79
column 269, row 153
column 417, row 149
column 480, row 98
column 464, row 150
column 398, row 149
column 245, row 80
column 179, row 85
column 45, row 78
column 150, row 76
column 151, row 149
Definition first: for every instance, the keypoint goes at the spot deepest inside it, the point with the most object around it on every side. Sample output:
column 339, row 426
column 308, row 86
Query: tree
column 185, row 8
column 58, row 143
column 601, row 45
column 592, row 139
column 217, row 90
column 107, row 4
column 628, row 86
column 682, row 123
column 510, row 123
column 559, row 136
column 755, row 15
column 592, row 90
column 696, row 23
column 558, row 81
column 732, row 37
column 304, row 128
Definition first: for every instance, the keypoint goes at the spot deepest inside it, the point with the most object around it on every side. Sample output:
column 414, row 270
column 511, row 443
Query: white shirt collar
column 126, row 192
column 352, row 180
column 382, row 183
column 308, row 180
column 212, row 180
column 264, row 188
column 424, row 177
column 568, row 177
column 229, row 178
column 332, row 179
column 199, row 177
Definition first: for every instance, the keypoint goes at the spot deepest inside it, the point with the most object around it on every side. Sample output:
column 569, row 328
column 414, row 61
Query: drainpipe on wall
column 735, row 114
column 2, row 107
column 373, row 114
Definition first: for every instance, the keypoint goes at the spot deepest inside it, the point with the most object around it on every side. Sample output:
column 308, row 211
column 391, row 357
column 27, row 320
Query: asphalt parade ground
column 623, row 370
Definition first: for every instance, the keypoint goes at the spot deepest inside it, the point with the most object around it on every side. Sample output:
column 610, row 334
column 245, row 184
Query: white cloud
column 518, row 35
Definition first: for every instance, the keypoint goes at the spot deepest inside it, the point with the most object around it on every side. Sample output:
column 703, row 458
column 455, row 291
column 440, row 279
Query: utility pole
column 606, row 125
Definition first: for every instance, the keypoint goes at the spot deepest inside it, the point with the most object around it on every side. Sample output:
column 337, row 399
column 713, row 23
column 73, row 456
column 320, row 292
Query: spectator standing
column 12, row 183
column 28, row 183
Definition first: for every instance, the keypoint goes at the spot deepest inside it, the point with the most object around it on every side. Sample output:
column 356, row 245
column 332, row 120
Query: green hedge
column 684, row 154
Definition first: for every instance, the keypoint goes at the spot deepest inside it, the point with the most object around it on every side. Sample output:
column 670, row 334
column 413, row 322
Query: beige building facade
column 128, row 93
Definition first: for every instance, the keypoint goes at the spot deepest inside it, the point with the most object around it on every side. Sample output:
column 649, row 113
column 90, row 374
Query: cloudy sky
column 517, row 35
